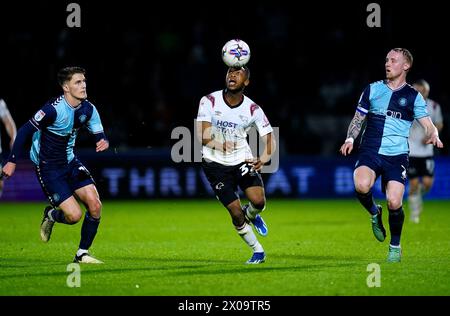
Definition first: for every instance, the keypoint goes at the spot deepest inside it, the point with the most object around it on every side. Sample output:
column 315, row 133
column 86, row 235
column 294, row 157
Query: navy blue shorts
column 59, row 183
column 391, row 168
column 224, row 180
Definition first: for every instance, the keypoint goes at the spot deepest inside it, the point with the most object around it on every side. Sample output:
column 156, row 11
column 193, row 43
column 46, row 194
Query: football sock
column 81, row 251
column 252, row 211
column 415, row 204
column 366, row 199
column 247, row 234
column 88, row 231
column 57, row 215
column 396, row 218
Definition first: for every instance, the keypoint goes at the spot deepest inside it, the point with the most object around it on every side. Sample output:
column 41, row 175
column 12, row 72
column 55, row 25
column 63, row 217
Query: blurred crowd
column 148, row 69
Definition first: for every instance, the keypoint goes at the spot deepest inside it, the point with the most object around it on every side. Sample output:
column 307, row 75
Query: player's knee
column 394, row 203
column 73, row 217
column 259, row 203
column 362, row 186
column 95, row 208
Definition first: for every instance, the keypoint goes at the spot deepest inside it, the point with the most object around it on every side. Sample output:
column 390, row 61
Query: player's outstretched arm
column 353, row 131
column 432, row 134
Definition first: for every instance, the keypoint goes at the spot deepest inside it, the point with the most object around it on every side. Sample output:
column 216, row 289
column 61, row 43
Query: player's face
column 236, row 79
column 395, row 64
column 76, row 87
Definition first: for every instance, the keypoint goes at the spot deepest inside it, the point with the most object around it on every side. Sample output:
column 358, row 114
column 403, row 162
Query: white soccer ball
column 236, row 53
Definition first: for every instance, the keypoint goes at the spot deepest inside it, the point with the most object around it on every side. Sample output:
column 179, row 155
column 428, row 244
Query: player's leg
column 252, row 210
column 222, row 181
column 394, row 195
column 1, row 184
column 64, row 208
column 90, row 198
column 364, row 179
column 415, row 199
column 251, row 183
column 246, row 232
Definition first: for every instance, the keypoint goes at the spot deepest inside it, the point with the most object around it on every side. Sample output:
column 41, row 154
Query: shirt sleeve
column 262, row 122
column 420, row 107
column 204, row 110
column 44, row 117
column 94, row 125
column 364, row 101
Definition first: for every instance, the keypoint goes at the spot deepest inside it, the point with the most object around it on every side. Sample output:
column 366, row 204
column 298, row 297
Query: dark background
column 149, row 64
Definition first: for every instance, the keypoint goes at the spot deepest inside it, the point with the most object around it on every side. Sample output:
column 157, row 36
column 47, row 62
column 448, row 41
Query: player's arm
column 43, row 118
column 357, row 122
column 353, row 131
column 205, row 137
column 23, row 136
column 269, row 149
column 431, row 132
column 10, row 127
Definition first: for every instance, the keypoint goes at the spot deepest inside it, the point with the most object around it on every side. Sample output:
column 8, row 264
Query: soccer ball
column 236, row 53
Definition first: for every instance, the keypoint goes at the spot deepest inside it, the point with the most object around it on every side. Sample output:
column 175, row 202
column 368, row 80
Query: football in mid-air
column 236, row 53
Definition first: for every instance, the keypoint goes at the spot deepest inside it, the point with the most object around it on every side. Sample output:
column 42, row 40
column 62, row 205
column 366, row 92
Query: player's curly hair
column 66, row 73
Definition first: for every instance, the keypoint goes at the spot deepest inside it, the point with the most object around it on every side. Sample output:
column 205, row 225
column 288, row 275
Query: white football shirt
column 3, row 112
column 231, row 124
column 417, row 133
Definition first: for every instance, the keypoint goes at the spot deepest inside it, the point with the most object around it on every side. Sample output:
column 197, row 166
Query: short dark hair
column 406, row 53
column 66, row 73
column 244, row 68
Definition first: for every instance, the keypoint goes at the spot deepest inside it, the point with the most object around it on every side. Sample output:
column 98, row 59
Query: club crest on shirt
column 244, row 119
column 402, row 101
column 82, row 118
column 39, row 116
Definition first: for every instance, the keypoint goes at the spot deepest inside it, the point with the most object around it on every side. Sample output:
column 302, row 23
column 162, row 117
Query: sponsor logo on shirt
column 39, row 116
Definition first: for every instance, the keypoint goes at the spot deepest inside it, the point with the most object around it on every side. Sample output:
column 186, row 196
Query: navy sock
column 88, row 231
column 396, row 218
column 58, row 216
column 366, row 199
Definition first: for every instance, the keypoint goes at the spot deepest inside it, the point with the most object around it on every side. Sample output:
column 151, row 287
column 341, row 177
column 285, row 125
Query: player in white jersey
column 421, row 162
column 11, row 129
column 224, row 118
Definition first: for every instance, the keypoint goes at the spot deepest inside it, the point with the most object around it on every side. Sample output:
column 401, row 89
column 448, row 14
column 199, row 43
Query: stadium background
column 148, row 68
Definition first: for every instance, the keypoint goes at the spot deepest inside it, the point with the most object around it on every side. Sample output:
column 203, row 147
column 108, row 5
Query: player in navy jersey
column 63, row 177
column 224, row 118
column 388, row 109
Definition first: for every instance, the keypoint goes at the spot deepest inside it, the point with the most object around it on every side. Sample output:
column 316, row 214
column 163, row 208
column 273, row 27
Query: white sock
column 247, row 234
column 252, row 211
column 81, row 251
column 415, row 204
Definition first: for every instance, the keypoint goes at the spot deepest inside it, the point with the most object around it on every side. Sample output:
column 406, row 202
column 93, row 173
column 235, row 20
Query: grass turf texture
column 179, row 248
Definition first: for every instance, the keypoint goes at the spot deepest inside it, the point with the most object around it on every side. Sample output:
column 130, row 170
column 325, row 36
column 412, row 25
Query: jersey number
column 244, row 169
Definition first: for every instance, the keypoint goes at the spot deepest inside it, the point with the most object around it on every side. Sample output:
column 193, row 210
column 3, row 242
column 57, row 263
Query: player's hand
column 8, row 170
column 434, row 139
column 102, row 145
column 256, row 164
column 346, row 148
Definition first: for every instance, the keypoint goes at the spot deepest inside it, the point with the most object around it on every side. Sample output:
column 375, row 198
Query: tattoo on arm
column 355, row 125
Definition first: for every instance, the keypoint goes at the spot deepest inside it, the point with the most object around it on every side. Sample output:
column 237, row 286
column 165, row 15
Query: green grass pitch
column 190, row 248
